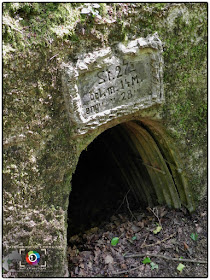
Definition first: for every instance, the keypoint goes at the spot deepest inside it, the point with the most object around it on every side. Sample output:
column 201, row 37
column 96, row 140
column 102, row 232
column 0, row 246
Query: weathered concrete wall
column 40, row 154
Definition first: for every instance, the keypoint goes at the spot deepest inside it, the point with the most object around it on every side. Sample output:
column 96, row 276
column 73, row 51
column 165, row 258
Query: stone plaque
column 111, row 82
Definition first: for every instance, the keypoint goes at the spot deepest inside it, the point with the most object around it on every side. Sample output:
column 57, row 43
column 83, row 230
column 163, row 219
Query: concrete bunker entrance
column 135, row 158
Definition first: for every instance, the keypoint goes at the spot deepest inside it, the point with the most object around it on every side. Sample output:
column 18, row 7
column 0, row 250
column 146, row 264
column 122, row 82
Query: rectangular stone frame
column 112, row 82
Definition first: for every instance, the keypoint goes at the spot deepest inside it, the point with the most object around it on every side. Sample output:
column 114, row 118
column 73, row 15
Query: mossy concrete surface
column 39, row 154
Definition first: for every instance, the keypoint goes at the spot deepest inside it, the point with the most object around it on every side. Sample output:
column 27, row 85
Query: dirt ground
column 178, row 235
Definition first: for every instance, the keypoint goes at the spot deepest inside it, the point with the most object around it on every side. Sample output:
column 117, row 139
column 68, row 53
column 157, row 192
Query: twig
column 155, row 214
column 122, row 201
column 158, row 242
column 166, row 258
column 129, row 207
column 157, row 256
column 125, row 271
column 142, row 245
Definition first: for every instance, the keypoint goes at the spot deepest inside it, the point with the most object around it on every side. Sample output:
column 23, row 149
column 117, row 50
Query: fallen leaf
column 186, row 246
column 123, row 266
column 94, row 230
column 113, row 218
column 82, row 265
column 90, row 265
column 76, row 270
column 179, row 230
column 140, row 217
column 180, row 267
column 135, row 228
column 194, row 236
column 108, row 259
column 85, row 254
column 122, row 229
column 117, row 223
column 81, row 272
column 115, row 241
column 154, row 265
column 173, row 241
column 146, row 260
column 163, row 213
column 158, row 229
column 140, row 224
column 74, row 239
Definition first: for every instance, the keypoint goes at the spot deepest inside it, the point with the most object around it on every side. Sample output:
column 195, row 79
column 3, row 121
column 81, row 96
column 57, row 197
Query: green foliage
column 114, row 241
column 154, row 265
column 158, row 229
column 180, row 267
column 146, row 260
column 103, row 9
column 194, row 236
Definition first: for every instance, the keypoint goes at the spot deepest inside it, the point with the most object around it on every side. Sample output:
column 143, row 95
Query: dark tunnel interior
column 133, row 160
column 107, row 170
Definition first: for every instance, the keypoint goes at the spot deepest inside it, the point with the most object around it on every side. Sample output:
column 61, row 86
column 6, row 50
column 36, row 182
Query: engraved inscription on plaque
column 118, row 84
column 109, row 83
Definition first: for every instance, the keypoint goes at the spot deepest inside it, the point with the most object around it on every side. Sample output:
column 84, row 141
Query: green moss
column 34, row 33
column 103, row 9
column 40, row 155
column 32, row 25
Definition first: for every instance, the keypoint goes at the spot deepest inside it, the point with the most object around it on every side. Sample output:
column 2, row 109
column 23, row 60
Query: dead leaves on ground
column 94, row 254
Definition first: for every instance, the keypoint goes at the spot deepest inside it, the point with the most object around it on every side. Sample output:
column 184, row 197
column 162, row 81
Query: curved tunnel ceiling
column 149, row 164
column 153, row 150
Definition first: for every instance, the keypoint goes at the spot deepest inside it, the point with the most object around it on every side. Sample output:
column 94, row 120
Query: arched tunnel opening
column 133, row 158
